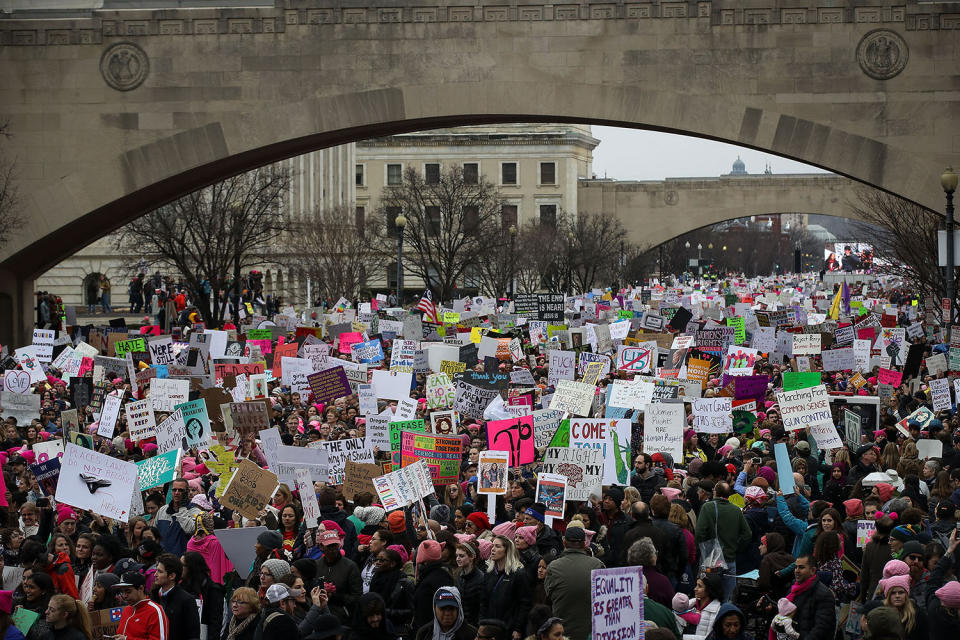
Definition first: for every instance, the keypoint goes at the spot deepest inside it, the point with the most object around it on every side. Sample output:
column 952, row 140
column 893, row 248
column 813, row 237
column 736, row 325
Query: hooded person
column 774, row 558
column 448, row 622
column 207, row 545
column 883, row 623
column 366, row 625
column 730, row 624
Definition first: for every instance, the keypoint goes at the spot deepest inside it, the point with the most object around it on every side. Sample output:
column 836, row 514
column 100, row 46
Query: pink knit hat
column 485, row 547
column 670, row 492
column 529, row 535
column 404, row 556
column 895, row 568
column 755, row 495
column 785, row 607
column 949, row 594
column 464, row 537
column 429, row 551
column 65, row 513
column 896, row 581
column 505, row 529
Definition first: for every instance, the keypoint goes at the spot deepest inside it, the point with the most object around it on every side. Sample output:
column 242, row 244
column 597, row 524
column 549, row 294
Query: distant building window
column 431, row 173
column 392, row 213
column 508, row 173
column 548, row 173
column 509, row 215
column 471, row 220
column 394, row 175
column 360, row 219
column 433, row 220
column 471, row 173
column 548, row 215
column 360, row 175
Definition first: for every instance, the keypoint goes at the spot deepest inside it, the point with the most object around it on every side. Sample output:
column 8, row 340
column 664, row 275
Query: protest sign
column 134, row 345
column 289, row 459
column 250, row 489
column 404, row 486
column 937, row 364
column 712, row 415
column 358, row 477
column 806, row 344
column 443, row 423
column 891, row 342
column 158, row 470
column 308, row 498
column 28, row 361
column 167, row 393
column 22, row 406
column 47, row 450
column 637, row 358
column 940, row 394
column 838, row 359
column 391, row 385
column 889, row 376
column 370, row 351
column 562, row 366
column 47, row 474
column 43, row 344
column 852, row 428
column 492, row 472
column 239, row 545
column 398, row 427
column 470, row 400
column 98, row 482
column 551, row 491
column 609, row 436
column 16, row 382
column 582, row 467
column 442, row 455
column 250, row 417
column 440, row 392
column 545, row 424
column 140, row 419
column 784, row 469
column 515, row 436
column 793, row 380
column 806, row 407
column 616, row 600
column 663, row 429
column 196, row 423
column 928, row 448
column 339, row 451
column 109, row 414
column 635, row 394
column 161, row 351
column 171, row 433
column 922, row 416
column 330, row 384
column 573, row 397
column 865, row 530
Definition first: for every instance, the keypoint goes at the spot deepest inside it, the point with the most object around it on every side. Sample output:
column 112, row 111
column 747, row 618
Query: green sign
column 793, row 380
column 562, row 437
column 396, row 428
column 259, row 334
column 740, row 332
column 124, row 347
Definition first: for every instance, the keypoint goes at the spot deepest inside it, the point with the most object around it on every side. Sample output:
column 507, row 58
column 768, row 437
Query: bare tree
column 211, row 236
column 904, row 239
column 449, row 225
column 599, row 245
column 541, row 256
column 492, row 274
column 11, row 218
column 338, row 251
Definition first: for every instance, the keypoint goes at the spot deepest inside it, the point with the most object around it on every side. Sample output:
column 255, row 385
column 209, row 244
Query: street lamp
column 513, row 238
column 740, row 259
column 401, row 222
column 948, row 180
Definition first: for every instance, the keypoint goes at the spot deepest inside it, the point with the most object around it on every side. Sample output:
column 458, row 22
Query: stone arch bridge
column 114, row 112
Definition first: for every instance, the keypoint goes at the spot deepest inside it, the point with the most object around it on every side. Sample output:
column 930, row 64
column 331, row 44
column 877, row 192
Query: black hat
column 131, row 579
column 327, row 626
column 615, row 493
column 575, row 534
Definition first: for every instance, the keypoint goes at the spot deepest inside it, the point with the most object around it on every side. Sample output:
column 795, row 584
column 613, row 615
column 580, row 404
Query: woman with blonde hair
column 68, row 619
column 245, row 607
column 896, row 591
column 453, row 496
column 890, row 456
column 506, row 588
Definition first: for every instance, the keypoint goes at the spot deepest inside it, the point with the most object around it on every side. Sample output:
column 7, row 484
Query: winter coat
column 181, row 610
column 731, row 527
column 507, row 597
column 875, row 556
column 815, row 618
column 346, row 576
column 568, row 587
column 430, row 577
column 473, row 589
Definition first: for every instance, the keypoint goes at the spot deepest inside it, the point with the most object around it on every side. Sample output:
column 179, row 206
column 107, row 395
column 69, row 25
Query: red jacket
column 61, row 573
column 144, row 621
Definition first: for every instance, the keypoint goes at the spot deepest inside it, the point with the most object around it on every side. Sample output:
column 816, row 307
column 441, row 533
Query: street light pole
column 948, row 180
column 513, row 238
column 401, row 222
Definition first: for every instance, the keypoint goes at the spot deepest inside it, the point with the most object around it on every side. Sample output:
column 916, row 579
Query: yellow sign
column 475, row 335
column 451, row 367
column 451, row 317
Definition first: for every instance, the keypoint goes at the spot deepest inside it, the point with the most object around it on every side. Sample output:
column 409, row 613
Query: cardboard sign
column 793, row 380
column 573, row 397
column 582, row 467
column 250, row 417
column 609, row 436
column 98, row 482
column 171, row 433
column 308, row 498
column 249, row 490
column 616, row 600
column 440, row 392
column 940, row 394
column 167, row 393
column 358, row 477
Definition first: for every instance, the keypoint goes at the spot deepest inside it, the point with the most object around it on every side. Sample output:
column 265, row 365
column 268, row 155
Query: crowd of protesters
column 449, row 571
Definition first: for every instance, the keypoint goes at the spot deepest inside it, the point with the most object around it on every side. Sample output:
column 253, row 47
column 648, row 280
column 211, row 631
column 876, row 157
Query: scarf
column 800, row 587
column 234, row 630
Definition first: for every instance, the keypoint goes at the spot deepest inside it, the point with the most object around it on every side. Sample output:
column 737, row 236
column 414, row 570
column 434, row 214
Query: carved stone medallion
column 882, row 54
column 671, row 197
column 124, row 66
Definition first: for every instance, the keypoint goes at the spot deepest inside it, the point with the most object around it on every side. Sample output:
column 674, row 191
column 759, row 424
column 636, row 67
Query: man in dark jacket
column 177, row 520
column 180, row 606
column 327, row 499
column 617, row 523
column 642, row 527
column 723, row 521
column 340, row 575
column 867, row 457
column 568, row 584
column 674, row 555
column 645, row 478
column 815, row 618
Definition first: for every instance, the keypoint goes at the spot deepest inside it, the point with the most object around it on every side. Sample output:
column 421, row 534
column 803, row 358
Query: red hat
column 65, row 513
column 396, row 522
column 479, row 519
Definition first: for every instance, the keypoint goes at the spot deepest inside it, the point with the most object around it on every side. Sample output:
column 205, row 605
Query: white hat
column 277, row 593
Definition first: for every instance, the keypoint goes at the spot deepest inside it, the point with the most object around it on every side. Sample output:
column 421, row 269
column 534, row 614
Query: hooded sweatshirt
column 460, row 629
column 726, row 610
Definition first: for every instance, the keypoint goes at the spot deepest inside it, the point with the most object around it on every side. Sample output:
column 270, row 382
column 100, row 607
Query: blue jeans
column 729, row 580
column 105, row 302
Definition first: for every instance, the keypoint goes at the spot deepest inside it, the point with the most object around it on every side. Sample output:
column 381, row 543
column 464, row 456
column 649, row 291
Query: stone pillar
column 16, row 310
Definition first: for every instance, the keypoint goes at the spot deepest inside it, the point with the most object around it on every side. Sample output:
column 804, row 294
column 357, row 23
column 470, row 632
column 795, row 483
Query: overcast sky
column 633, row 154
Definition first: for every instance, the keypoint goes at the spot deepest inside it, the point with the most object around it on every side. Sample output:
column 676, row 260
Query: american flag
column 429, row 309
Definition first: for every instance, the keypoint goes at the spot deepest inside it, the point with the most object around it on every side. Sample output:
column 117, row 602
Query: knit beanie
column 372, row 515
column 949, row 595
column 270, row 540
column 529, row 535
column 479, row 519
column 429, row 551
column 397, row 522
column 896, row 581
column 506, row 529
column 277, row 568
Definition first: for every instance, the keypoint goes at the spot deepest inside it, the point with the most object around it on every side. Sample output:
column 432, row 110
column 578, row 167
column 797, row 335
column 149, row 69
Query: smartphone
column 958, row 527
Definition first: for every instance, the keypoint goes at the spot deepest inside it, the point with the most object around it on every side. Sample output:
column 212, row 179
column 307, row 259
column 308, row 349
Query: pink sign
column 349, row 338
column 889, row 376
column 514, row 435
